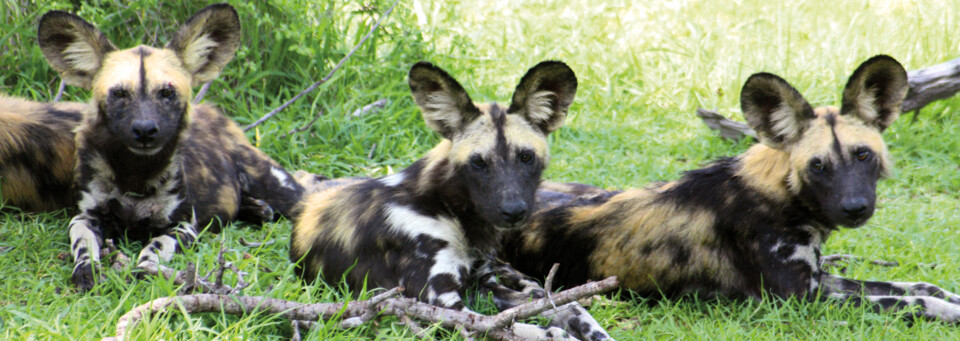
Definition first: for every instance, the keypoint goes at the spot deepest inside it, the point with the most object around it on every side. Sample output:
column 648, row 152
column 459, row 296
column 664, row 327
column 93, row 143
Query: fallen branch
column 831, row 260
column 370, row 108
column 201, row 93
column 931, row 84
column 59, row 95
column 247, row 243
column 729, row 129
column 191, row 283
column 329, row 75
column 493, row 326
column 926, row 86
column 305, row 126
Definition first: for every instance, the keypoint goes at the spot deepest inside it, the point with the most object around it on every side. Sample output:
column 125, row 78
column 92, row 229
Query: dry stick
column 832, row 259
column 203, row 91
column 335, row 68
column 548, row 283
column 305, row 126
column 370, row 108
column 59, row 95
column 926, row 86
column 240, row 305
column 414, row 326
column 246, row 243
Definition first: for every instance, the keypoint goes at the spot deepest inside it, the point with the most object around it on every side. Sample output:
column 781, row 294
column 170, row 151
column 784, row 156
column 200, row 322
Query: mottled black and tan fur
column 36, row 153
column 432, row 228
column 748, row 224
column 151, row 165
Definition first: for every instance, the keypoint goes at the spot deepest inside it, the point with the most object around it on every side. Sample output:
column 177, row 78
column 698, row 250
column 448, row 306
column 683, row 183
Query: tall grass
column 643, row 68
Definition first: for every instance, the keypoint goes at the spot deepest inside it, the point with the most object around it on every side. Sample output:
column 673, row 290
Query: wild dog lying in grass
column 432, row 228
column 36, row 153
column 149, row 163
column 747, row 224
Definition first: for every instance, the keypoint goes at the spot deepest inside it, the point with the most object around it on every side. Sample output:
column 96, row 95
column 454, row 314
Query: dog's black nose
column 145, row 131
column 513, row 211
column 854, row 208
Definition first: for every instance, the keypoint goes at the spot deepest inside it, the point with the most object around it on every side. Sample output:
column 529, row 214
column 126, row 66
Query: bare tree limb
column 201, row 93
column 548, row 282
column 305, row 126
column 59, row 95
column 931, row 84
column 926, row 86
column 493, row 326
column 831, row 260
column 247, row 243
column 370, row 108
column 324, row 79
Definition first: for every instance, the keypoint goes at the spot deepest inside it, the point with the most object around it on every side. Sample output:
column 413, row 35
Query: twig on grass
column 305, row 126
column 493, row 326
column 370, row 108
column 59, row 95
column 201, row 93
column 246, row 243
column 831, row 260
column 191, row 283
column 329, row 75
column 548, row 283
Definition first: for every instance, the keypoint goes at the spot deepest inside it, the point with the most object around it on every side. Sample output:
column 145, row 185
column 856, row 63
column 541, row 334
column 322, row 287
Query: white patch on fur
column 449, row 261
column 933, row 307
column 282, row 177
column 80, row 230
column 447, row 299
column 392, row 180
column 168, row 246
column 540, row 106
column 81, row 56
column 406, row 221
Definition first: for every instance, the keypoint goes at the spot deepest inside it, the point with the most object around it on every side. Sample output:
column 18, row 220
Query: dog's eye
column 816, row 166
column 864, row 155
column 166, row 93
column 526, row 156
column 119, row 93
column 478, row 162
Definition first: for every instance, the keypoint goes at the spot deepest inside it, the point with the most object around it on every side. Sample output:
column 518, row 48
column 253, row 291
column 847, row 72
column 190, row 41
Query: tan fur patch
column 122, row 68
column 480, row 137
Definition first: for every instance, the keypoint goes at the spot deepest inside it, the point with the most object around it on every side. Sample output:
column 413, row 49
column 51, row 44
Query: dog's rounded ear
column 72, row 46
column 876, row 91
column 775, row 110
column 207, row 41
column 544, row 94
column 446, row 106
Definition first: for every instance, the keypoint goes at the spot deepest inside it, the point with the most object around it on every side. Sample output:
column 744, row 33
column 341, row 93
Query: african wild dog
column 432, row 228
column 36, row 153
column 747, row 224
column 149, row 163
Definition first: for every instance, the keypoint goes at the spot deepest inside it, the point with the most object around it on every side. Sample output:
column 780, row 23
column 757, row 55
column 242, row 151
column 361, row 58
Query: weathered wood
column 500, row 326
column 926, row 86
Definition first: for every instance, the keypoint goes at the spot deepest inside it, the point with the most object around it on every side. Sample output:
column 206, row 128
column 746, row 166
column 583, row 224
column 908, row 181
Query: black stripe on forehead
column 832, row 121
column 143, row 71
column 499, row 118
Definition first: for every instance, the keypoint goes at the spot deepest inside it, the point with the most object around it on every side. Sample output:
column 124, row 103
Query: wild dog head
column 498, row 152
column 835, row 155
column 143, row 93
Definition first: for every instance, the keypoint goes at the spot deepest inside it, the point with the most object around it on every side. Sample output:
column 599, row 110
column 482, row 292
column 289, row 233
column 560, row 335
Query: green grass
column 643, row 67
